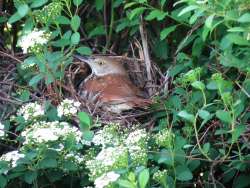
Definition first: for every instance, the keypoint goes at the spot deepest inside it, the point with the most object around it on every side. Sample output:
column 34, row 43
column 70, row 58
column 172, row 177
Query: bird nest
column 136, row 69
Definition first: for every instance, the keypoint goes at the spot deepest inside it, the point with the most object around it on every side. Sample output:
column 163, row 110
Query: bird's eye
column 100, row 62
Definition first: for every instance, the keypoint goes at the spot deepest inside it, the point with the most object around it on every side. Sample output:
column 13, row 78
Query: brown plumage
column 111, row 83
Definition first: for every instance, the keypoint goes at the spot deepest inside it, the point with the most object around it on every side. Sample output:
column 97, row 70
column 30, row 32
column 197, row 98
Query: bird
column 110, row 84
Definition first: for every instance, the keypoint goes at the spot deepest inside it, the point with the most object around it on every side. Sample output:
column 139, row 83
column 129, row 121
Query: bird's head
column 102, row 65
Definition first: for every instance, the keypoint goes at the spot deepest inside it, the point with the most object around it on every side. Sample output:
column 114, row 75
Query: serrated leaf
column 143, row 178
column 165, row 32
column 38, row 3
column 75, row 23
column 84, row 50
column 244, row 18
column 224, row 116
column 75, row 38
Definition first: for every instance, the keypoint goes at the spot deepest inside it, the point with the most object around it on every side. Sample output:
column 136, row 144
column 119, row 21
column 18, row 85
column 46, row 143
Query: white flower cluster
column 1, row 130
column 12, row 157
column 33, row 39
column 108, row 159
column 106, row 179
column 165, row 138
column 159, row 175
column 43, row 132
column 31, row 111
column 68, row 108
column 77, row 158
column 136, row 143
column 108, row 136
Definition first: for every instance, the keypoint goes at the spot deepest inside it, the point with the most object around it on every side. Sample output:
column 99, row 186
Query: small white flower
column 31, row 111
column 12, row 157
column 68, row 108
column 1, row 130
column 33, row 39
column 106, row 179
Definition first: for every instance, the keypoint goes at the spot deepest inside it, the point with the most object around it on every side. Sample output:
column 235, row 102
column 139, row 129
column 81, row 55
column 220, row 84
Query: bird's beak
column 87, row 59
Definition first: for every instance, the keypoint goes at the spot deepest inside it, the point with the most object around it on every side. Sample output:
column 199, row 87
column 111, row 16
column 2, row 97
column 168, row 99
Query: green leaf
column 88, row 135
column 136, row 12
column 183, row 173
column 242, row 181
column 30, row 176
column 34, row 81
column 237, row 132
column 209, row 21
column 204, row 114
column 77, row 2
column 75, row 23
column 237, row 39
column 187, row 116
column 165, row 32
column 23, row 10
column 3, row 19
column 156, row 14
column 48, row 163
column 85, row 121
column 244, row 18
column 3, row 181
column 100, row 30
column 126, row 184
column 63, row 20
column 84, row 50
column 198, row 85
column 14, row 18
column 237, row 29
column 143, row 178
column 99, row 4
column 187, row 9
column 75, row 38
column 38, row 3
column 206, row 147
column 224, row 116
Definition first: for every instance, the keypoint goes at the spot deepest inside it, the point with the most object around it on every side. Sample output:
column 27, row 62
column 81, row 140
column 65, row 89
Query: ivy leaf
column 75, row 23
column 224, row 116
column 143, row 178
column 84, row 50
column 165, row 32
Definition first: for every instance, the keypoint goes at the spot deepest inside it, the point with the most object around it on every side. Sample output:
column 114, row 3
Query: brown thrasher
column 110, row 84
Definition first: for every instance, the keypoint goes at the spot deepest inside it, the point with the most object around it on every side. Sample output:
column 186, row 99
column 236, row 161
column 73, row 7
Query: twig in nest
column 146, row 54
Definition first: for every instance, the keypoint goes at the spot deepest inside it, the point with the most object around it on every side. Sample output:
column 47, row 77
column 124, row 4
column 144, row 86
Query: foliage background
column 202, row 47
